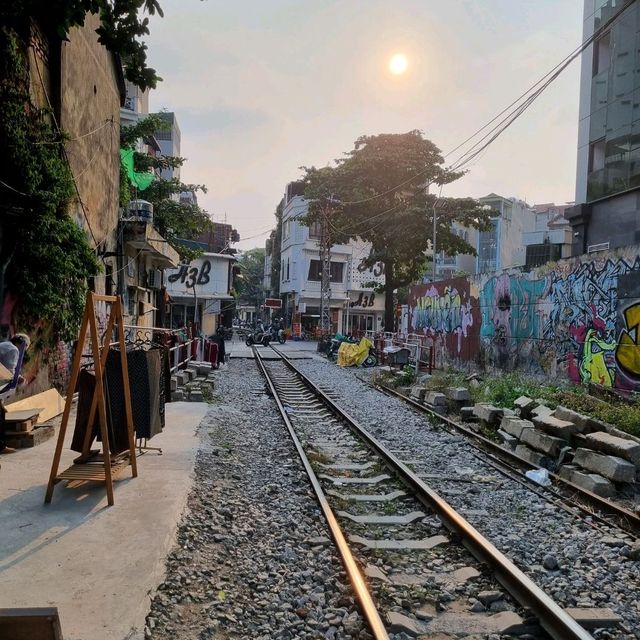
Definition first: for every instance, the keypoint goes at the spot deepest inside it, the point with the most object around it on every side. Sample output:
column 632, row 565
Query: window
column 315, row 230
column 336, row 270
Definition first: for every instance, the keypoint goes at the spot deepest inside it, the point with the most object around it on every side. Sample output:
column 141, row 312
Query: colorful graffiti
column 510, row 314
column 580, row 319
column 446, row 311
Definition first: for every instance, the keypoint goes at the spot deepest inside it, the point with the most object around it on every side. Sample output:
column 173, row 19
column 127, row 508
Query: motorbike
column 359, row 352
column 276, row 334
column 331, row 349
column 259, row 336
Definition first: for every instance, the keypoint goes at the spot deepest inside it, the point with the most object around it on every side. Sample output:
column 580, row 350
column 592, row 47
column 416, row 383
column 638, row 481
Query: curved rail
column 551, row 617
column 367, row 605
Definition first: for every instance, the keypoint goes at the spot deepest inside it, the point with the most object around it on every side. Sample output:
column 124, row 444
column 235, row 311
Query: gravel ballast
column 573, row 562
column 254, row 558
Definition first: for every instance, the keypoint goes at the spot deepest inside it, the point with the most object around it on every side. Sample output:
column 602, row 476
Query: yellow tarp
column 353, row 355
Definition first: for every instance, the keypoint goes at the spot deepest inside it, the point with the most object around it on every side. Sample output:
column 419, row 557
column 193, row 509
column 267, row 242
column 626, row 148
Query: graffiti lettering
column 190, row 276
column 364, row 301
column 377, row 270
column 628, row 348
column 435, row 313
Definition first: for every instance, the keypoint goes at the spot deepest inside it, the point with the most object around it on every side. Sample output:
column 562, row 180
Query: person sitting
column 9, row 358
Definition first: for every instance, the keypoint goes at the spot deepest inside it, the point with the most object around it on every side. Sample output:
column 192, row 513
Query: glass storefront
column 614, row 131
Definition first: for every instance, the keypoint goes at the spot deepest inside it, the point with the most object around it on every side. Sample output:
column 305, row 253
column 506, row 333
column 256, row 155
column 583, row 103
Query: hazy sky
column 262, row 87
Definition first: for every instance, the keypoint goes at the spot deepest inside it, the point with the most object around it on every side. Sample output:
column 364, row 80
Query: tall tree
column 249, row 279
column 379, row 192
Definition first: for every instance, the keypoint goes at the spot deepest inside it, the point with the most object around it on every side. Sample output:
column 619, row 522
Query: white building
column 200, row 290
column 500, row 247
column 551, row 238
column 169, row 141
column 354, row 305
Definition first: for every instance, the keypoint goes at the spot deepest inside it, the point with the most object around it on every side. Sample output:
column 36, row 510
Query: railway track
column 424, row 562
column 568, row 496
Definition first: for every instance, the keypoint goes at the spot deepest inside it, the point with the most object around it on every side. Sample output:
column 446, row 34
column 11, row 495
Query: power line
column 529, row 97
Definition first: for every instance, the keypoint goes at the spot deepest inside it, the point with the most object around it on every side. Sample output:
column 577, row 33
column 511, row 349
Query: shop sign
column 273, row 303
column 364, row 301
column 297, row 329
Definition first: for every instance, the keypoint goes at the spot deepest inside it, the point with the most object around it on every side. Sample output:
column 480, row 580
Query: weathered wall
column 576, row 319
column 447, row 312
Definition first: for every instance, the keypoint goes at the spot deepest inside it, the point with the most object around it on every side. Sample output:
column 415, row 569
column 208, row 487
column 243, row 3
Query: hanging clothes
column 144, row 382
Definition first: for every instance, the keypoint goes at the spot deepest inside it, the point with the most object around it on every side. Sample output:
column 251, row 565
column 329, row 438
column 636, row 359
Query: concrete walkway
column 96, row 563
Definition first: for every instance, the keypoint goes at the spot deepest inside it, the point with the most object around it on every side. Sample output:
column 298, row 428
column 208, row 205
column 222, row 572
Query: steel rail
column 629, row 517
column 551, row 617
column 356, row 578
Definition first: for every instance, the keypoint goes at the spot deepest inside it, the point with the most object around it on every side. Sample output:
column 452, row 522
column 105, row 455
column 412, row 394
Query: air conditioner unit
column 154, row 278
column 140, row 211
column 594, row 248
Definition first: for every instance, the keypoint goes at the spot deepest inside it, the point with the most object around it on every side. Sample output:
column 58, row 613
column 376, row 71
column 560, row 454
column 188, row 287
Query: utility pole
column 433, row 245
column 325, row 265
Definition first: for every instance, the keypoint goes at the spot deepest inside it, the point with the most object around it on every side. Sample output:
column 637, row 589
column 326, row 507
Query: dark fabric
column 219, row 340
column 144, row 382
column 165, row 382
column 147, row 404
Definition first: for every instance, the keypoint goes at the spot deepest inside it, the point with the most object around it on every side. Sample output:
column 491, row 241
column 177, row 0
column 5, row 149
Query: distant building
column 169, row 141
column 499, row 247
column 551, row 237
column 607, row 210
column 355, row 307
column 218, row 238
column 200, row 292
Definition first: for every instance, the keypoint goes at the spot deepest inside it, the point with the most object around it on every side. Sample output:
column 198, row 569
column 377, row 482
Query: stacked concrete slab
column 580, row 448
column 190, row 384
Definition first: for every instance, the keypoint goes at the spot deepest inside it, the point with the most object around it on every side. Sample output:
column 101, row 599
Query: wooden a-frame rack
column 92, row 465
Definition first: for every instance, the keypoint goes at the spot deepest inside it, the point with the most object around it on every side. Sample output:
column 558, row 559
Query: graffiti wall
column 576, row 319
column 447, row 312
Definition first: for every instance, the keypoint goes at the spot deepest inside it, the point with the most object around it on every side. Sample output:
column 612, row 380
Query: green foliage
column 174, row 220
column 377, row 192
column 273, row 249
column 249, row 276
column 404, row 378
column 48, row 255
column 121, row 27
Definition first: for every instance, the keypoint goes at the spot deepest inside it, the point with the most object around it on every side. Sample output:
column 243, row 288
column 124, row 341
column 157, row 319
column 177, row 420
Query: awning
column 143, row 237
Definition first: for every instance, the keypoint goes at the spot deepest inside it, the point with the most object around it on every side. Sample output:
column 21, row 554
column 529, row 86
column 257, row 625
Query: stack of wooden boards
column 27, row 421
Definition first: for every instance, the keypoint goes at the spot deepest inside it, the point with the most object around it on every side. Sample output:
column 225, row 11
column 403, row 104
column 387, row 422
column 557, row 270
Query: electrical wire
column 537, row 88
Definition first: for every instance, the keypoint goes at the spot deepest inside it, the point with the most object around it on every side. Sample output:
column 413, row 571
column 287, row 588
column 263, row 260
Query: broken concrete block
column 534, row 457
column 196, row 396
column 515, row 426
column 487, row 413
column 436, row 399
column 417, row 392
column 182, row 377
column 525, row 405
column 508, row 440
column 458, row 394
column 541, row 410
column 203, row 369
column 173, row 383
column 556, row 427
column 543, row 442
column 627, row 449
column 580, row 421
column 610, row 467
column 177, row 396
column 589, row 481
column 466, row 413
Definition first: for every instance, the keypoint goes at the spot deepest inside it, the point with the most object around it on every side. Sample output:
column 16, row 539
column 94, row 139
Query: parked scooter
column 334, row 345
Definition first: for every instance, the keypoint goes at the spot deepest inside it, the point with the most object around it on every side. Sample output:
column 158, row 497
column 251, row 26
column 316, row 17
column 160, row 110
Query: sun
column 398, row 64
